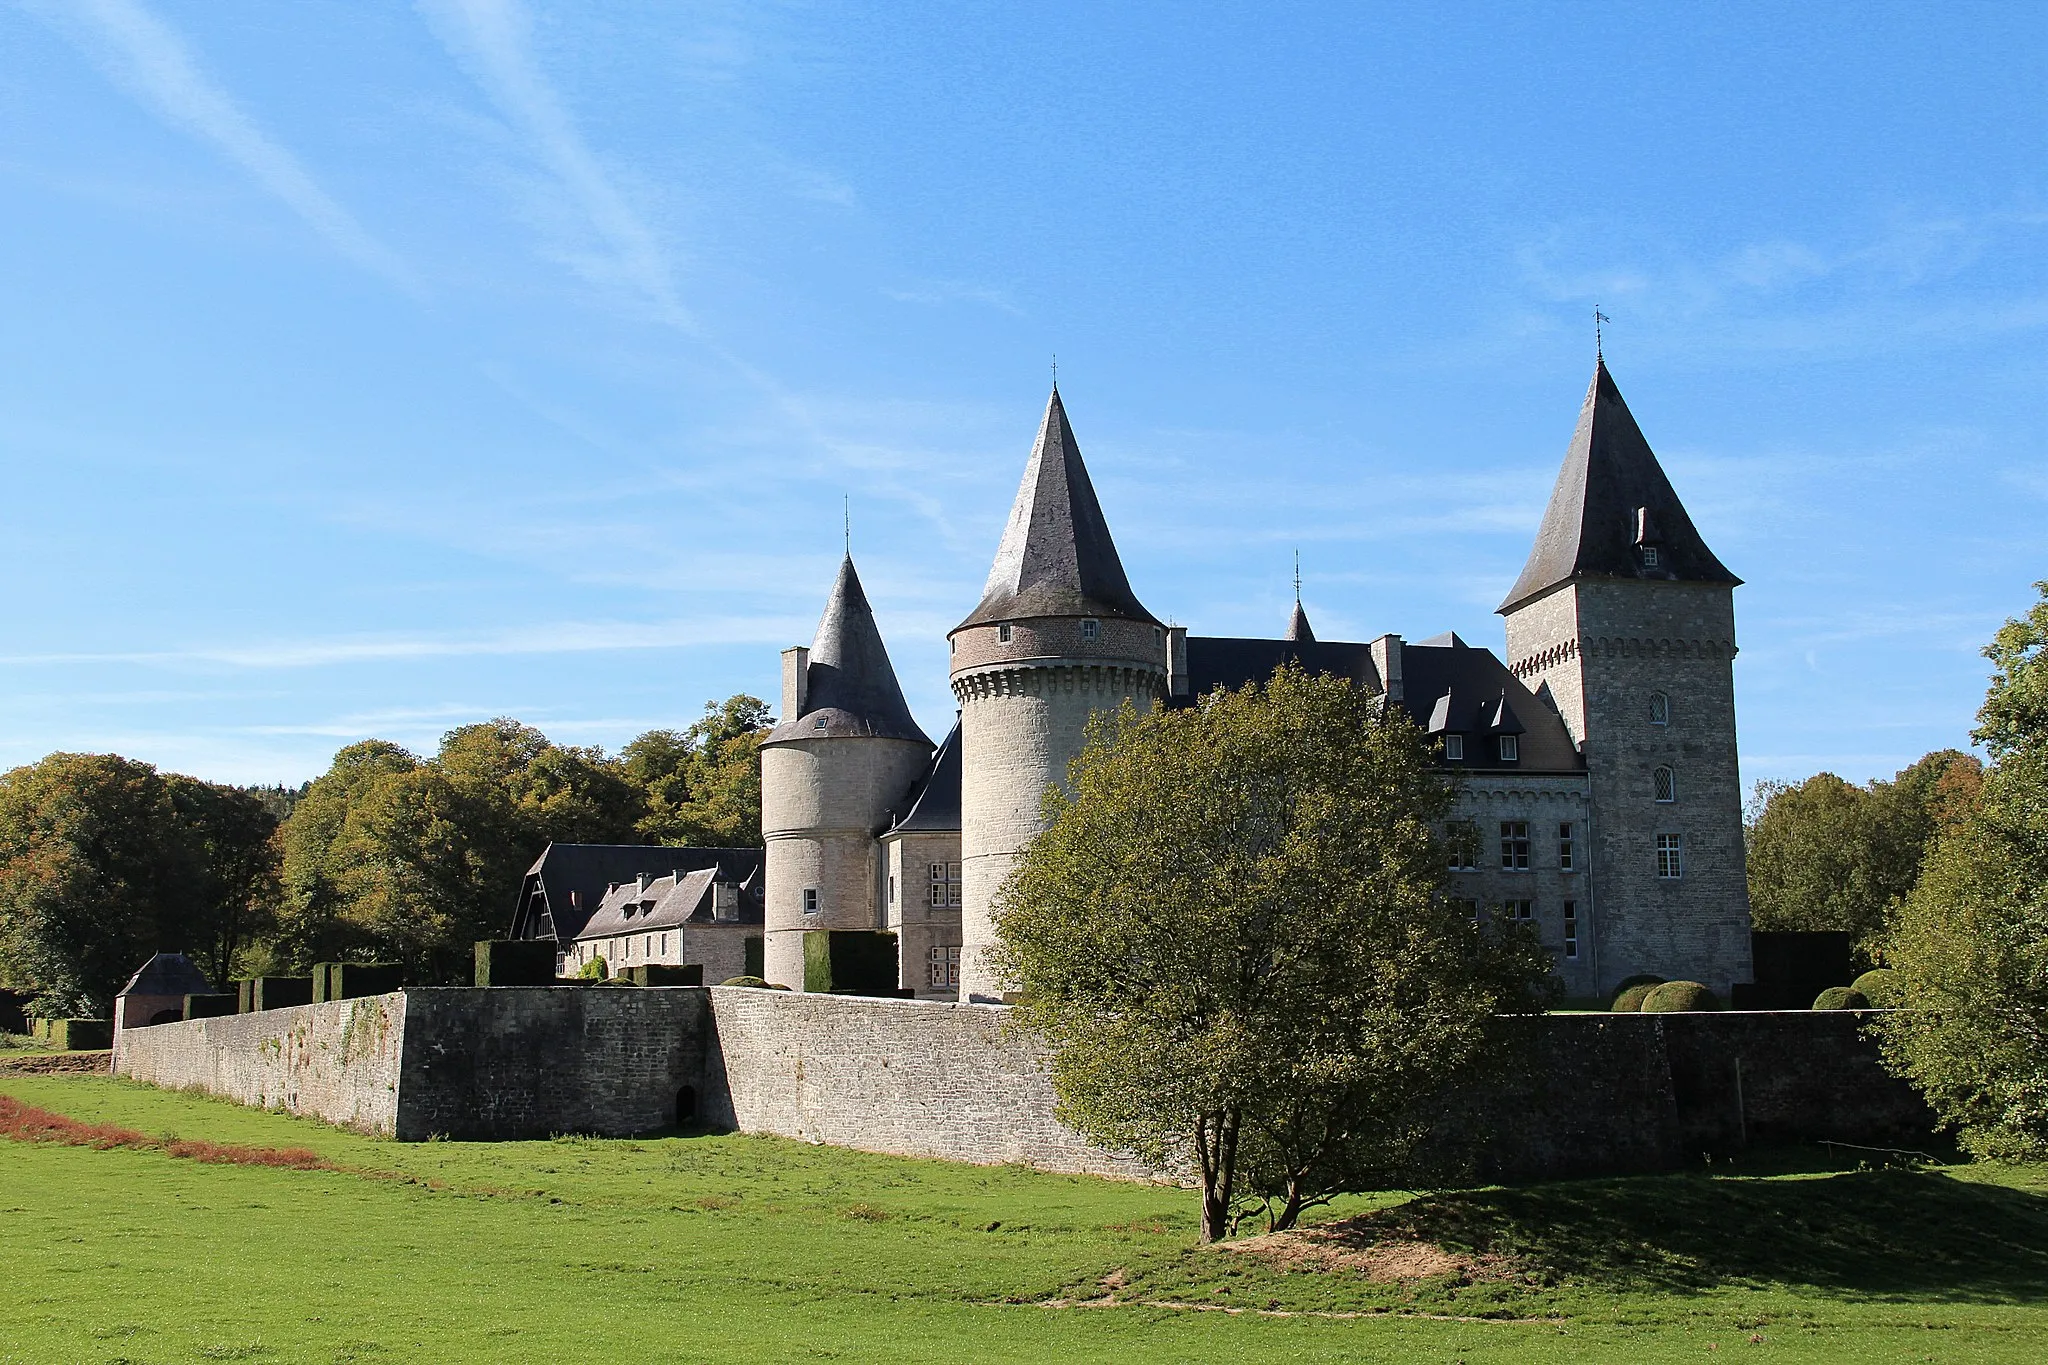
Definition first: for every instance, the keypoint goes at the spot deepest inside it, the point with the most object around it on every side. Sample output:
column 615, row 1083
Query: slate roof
column 935, row 799
column 1298, row 627
column 1611, row 500
column 1056, row 557
column 168, row 974
column 851, row 688
column 1223, row 661
column 566, row 884
column 666, row 902
column 1452, row 688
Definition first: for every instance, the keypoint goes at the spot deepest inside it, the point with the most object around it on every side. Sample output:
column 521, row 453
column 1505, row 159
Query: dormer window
column 818, row 724
column 1649, row 556
column 1091, row 630
column 1510, row 748
column 1003, row 632
column 1454, row 748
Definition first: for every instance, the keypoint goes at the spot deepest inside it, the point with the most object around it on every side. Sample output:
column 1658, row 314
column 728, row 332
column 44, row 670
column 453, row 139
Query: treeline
column 387, row 855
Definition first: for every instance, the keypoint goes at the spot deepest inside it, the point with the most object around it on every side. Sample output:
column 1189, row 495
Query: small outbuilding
column 156, row 994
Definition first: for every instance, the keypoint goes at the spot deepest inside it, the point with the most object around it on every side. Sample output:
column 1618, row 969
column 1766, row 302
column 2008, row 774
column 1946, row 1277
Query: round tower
column 1058, row 636
column 842, row 759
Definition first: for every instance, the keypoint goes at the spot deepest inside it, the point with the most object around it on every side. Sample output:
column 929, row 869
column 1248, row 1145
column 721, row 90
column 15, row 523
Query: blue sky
column 371, row 368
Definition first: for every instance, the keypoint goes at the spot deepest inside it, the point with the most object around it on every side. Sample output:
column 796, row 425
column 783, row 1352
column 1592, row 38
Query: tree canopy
column 1970, row 944
column 1234, row 936
column 1828, row 854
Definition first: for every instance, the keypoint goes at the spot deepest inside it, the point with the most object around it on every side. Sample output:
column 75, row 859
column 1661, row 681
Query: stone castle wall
column 1591, row 1093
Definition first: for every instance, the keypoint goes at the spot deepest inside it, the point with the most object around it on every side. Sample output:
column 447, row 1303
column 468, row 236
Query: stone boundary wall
column 904, row 1077
column 339, row 1061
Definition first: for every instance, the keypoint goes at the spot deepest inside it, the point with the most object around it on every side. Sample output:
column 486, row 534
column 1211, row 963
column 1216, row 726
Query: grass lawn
column 738, row 1248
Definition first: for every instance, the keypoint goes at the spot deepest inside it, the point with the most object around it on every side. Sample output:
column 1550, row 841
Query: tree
column 1234, row 936
column 1827, row 854
column 231, row 832
column 703, row 786
column 1971, row 941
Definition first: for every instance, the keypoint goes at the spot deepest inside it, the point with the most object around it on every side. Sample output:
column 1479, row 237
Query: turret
column 1624, row 621
column 1058, row 636
column 846, row 751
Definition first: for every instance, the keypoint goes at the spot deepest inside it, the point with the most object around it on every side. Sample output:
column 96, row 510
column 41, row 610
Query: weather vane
column 846, row 513
column 1055, row 372
column 1599, row 348
column 1297, row 576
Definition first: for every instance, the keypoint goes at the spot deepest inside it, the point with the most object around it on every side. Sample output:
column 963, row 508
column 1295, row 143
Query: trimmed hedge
column 210, row 1006
column 1880, row 986
column 78, row 1035
column 665, row 974
column 1680, row 997
column 754, row 981
column 1631, row 1000
column 1841, row 998
column 515, row 962
column 279, row 992
column 850, row 962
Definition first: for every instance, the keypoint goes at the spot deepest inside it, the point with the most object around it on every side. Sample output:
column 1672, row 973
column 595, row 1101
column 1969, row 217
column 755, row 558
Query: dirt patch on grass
column 58, row 1064
column 1370, row 1248
column 26, row 1123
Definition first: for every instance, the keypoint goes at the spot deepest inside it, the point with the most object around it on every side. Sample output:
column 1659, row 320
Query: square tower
column 1624, row 620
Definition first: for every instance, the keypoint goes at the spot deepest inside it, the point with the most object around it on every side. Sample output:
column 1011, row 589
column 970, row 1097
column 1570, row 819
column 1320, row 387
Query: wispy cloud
column 936, row 292
column 493, row 41
column 147, row 58
column 569, row 637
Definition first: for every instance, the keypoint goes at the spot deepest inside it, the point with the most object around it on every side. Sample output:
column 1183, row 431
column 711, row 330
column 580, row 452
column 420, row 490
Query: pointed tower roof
column 1611, row 503
column 1056, row 558
column 851, row 688
column 1298, row 627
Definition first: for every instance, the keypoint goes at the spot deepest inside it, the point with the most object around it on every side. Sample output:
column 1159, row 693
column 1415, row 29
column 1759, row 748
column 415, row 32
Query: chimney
column 640, row 881
column 796, row 678
column 1176, row 661
column 1386, row 657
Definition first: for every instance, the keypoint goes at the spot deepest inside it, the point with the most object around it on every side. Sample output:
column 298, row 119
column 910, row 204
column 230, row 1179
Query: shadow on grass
column 1901, row 1234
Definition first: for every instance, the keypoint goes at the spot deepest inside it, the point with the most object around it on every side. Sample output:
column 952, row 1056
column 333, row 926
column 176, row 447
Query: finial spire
column 1297, row 575
column 846, row 515
column 1599, row 342
column 1055, row 372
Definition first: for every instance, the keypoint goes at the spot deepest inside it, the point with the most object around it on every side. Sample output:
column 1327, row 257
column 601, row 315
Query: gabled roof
column 1611, row 501
column 168, row 974
column 852, row 687
column 1453, row 688
column 935, row 799
column 1298, row 628
column 666, row 903
column 565, row 885
column 1056, row 556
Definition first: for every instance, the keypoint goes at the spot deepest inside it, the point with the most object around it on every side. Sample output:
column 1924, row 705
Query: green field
column 737, row 1248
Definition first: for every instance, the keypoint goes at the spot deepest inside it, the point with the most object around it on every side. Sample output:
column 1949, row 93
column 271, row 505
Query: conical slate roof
column 851, row 688
column 1611, row 502
column 1298, row 627
column 1056, row 558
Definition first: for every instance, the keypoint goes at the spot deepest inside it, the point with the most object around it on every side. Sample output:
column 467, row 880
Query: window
column 1091, row 629
column 1454, row 748
column 810, row 900
column 1521, row 912
column 1462, row 837
column 1469, row 909
column 1660, row 709
column 943, row 967
column 1670, row 857
column 1649, row 556
column 1510, row 748
column 892, row 888
column 1514, row 845
column 1565, row 847
column 818, row 724
column 664, row 945
column 1003, row 631
column 945, row 884
column 1571, row 929
column 1665, row 784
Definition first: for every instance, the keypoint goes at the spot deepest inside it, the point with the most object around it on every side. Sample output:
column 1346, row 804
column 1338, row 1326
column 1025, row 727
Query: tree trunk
column 1290, row 1211
column 1216, row 1140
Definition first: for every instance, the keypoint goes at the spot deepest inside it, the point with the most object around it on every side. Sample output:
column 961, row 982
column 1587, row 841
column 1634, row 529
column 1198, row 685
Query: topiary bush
column 1628, row 996
column 756, row 982
column 1841, row 998
column 1679, row 997
column 1880, row 986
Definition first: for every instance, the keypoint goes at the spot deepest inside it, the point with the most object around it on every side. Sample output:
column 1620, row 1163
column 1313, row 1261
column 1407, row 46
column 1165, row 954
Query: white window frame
column 1520, row 911
column 1463, row 838
column 1516, row 854
column 1670, row 857
column 1454, row 748
column 1091, row 629
column 810, row 900
column 1003, row 632
column 942, row 966
column 1510, row 748
column 1571, row 930
column 1567, row 847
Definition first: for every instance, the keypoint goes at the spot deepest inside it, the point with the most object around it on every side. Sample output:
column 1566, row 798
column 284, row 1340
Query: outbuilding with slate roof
column 156, row 993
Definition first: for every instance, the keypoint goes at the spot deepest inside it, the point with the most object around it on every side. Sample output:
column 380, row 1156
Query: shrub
column 597, row 969
column 1679, row 997
column 1631, row 1000
column 1880, row 986
column 515, row 962
column 1841, row 998
column 756, row 982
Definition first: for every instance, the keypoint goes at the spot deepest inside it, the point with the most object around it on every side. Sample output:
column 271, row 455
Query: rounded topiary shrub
column 1841, row 998
column 1880, row 986
column 1679, row 997
column 756, row 982
column 1628, row 996
column 1631, row 1000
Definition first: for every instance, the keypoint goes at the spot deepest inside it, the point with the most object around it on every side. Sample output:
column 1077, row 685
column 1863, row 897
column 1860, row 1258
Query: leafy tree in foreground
column 1971, row 942
column 1828, row 854
column 1234, row 936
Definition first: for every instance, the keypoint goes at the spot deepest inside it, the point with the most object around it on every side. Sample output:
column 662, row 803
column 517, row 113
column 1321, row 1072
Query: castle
column 1596, row 767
